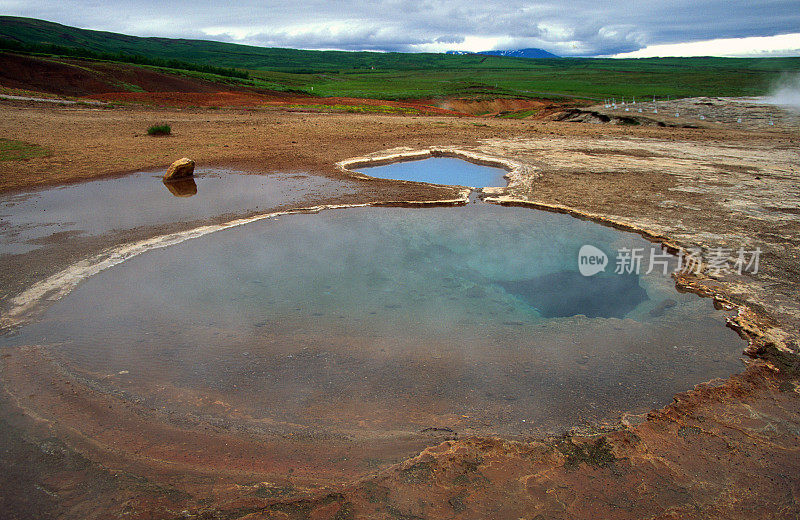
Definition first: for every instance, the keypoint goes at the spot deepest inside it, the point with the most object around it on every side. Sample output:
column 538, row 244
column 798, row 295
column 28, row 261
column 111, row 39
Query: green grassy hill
column 406, row 75
column 33, row 31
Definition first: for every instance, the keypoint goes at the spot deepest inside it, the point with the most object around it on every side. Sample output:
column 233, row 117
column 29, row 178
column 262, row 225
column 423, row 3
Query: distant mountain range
column 517, row 53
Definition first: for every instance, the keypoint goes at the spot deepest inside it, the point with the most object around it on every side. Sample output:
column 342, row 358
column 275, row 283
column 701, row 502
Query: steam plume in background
column 786, row 92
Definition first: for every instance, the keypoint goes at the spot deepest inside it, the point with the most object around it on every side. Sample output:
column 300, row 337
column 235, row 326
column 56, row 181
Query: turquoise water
column 440, row 170
column 374, row 321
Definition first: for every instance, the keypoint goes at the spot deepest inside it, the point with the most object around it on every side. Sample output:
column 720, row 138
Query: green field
column 12, row 150
column 592, row 78
column 553, row 78
column 403, row 75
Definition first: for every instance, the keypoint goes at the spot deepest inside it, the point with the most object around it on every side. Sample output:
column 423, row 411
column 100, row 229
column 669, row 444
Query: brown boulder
column 180, row 169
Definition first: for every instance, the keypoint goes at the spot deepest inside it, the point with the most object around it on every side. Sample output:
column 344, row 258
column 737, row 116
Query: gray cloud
column 582, row 27
column 450, row 39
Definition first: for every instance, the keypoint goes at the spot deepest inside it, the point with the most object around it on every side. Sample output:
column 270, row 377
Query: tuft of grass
column 159, row 130
column 13, row 150
column 130, row 87
column 518, row 114
column 598, row 454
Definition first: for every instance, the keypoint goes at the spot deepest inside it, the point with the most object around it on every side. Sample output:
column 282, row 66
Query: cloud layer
column 575, row 28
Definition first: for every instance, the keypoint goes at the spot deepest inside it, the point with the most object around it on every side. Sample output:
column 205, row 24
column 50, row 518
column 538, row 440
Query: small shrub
column 12, row 150
column 159, row 130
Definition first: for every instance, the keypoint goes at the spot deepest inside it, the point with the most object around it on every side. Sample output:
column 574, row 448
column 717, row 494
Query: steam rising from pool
column 378, row 321
column 786, row 92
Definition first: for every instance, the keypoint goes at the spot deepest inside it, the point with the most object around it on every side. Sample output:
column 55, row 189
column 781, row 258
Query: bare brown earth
column 264, row 100
column 726, row 449
column 71, row 77
column 492, row 107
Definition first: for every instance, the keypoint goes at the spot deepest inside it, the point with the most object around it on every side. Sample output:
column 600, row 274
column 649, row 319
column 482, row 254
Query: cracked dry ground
column 726, row 449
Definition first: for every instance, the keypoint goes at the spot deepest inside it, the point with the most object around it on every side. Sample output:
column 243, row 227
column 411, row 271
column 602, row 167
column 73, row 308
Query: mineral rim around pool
column 369, row 323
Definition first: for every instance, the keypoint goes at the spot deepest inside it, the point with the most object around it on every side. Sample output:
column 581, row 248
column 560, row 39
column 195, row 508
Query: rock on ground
column 180, row 169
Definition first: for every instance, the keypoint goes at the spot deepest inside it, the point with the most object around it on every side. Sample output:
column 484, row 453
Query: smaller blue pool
column 440, row 170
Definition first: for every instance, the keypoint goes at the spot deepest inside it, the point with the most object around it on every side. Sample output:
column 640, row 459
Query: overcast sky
column 566, row 28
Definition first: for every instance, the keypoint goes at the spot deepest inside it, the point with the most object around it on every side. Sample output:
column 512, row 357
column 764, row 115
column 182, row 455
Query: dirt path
column 50, row 100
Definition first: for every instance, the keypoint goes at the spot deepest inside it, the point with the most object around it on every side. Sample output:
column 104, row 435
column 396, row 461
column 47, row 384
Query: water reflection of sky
column 141, row 199
column 440, row 170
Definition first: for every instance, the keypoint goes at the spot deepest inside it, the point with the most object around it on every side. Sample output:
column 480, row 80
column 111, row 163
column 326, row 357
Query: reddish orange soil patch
column 123, row 433
column 70, row 77
column 493, row 107
column 723, row 450
column 490, row 106
column 199, row 99
column 258, row 99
